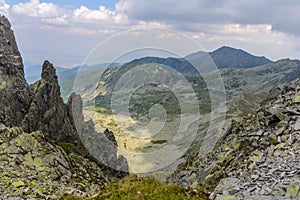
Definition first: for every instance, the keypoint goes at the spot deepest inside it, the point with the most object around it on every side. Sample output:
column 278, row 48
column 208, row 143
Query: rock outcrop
column 257, row 158
column 14, row 91
column 41, row 152
column 103, row 148
column 38, row 107
column 47, row 111
column 33, row 168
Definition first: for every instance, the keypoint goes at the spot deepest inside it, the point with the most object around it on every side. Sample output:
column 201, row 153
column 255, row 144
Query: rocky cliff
column 41, row 154
column 14, row 91
column 35, row 107
column 47, row 111
column 31, row 167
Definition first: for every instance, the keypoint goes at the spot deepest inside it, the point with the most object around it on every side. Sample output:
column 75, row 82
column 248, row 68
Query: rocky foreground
column 256, row 158
column 41, row 155
column 32, row 167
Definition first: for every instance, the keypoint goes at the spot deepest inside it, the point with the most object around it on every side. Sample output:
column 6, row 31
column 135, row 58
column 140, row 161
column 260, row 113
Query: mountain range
column 246, row 138
column 224, row 57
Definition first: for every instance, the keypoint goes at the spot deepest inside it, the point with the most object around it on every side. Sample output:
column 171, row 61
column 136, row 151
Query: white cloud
column 78, row 30
column 57, row 20
column 235, row 29
column 258, row 39
column 263, row 27
column 198, row 35
column 34, row 8
column 149, row 24
column 85, row 15
column 87, row 32
column 4, row 7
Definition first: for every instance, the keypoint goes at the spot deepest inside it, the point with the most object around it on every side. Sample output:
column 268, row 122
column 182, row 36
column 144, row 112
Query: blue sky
column 66, row 31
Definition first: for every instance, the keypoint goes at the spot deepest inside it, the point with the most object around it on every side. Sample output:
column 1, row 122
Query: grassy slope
column 130, row 188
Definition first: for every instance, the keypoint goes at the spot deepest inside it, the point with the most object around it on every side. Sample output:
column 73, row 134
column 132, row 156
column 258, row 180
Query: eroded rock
column 33, row 168
column 257, row 158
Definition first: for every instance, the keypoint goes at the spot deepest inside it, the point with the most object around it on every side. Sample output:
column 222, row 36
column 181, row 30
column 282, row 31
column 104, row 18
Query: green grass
column 70, row 148
column 131, row 188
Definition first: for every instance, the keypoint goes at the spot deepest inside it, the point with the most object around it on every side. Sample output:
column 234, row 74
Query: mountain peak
column 228, row 57
column 227, row 47
column 49, row 72
column 7, row 39
column 11, row 77
column 38, row 107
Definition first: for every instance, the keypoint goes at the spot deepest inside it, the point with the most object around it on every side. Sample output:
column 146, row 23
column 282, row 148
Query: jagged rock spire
column 7, row 39
column 14, row 91
column 38, row 107
column 47, row 111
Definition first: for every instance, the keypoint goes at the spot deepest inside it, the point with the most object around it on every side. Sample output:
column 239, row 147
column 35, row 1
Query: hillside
column 237, row 81
column 224, row 57
column 245, row 90
column 256, row 158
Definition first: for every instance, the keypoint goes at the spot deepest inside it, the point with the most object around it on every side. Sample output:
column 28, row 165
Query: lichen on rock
column 41, row 155
column 31, row 167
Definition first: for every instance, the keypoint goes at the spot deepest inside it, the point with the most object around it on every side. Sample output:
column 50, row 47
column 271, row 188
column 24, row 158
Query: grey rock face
column 74, row 109
column 47, row 111
column 103, row 147
column 14, row 91
column 38, row 107
column 37, row 169
column 33, row 116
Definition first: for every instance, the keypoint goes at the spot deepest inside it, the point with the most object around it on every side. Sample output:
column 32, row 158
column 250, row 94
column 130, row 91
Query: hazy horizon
column 65, row 32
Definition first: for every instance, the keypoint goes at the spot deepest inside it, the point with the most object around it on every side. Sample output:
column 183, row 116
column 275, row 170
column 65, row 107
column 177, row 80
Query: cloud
column 87, row 32
column 34, row 8
column 149, row 24
column 282, row 16
column 85, row 15
column 185, row 15
column 174, row 11
column 57, row 20
column 4, row 7
column 263, row 27
column 258, row 39
column 78, row 30
column 255, row 33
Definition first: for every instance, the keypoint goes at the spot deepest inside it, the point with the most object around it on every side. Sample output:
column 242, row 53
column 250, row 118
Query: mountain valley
column 212, row 125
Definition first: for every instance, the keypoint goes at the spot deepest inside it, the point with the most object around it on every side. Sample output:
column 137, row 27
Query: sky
column 65, row 32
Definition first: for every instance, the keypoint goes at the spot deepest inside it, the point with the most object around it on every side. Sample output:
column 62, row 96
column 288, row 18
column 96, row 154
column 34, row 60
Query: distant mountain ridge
column 67, row 76
column 228, row 57
column 224, row 58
